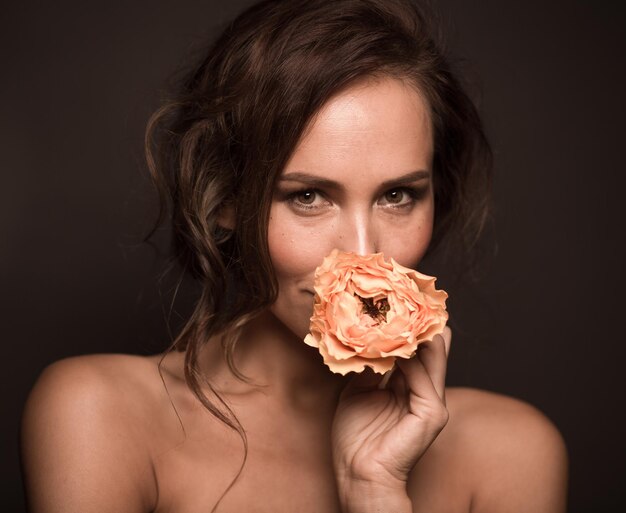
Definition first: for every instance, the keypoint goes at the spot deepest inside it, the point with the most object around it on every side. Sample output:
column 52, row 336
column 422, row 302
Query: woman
column 309, row 126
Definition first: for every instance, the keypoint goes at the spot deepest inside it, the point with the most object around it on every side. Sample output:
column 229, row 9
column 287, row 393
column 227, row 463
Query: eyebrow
column 318, row 181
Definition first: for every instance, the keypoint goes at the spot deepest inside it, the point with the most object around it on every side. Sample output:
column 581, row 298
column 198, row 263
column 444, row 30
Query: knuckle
column 441, row 415
column 437, row 415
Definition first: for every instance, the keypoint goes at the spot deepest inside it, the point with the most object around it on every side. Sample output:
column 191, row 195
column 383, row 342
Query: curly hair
column 223, row 138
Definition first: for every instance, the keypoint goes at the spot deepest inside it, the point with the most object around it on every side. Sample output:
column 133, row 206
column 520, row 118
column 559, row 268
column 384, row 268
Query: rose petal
column 350, row 337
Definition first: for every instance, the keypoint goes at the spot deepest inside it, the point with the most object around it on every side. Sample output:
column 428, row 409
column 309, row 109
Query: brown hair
column 225, row 136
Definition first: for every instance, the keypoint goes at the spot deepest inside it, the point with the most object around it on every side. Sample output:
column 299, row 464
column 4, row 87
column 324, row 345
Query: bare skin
column 109, row 433
column 128, row 453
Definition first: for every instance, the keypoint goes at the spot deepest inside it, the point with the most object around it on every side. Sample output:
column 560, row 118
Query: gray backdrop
column 545, row 323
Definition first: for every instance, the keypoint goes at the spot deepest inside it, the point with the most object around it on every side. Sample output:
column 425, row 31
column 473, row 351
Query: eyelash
column 413, row 193
column 292, row 198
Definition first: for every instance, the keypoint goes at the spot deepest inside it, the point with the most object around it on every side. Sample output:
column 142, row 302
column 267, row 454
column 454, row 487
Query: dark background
column 79, row 80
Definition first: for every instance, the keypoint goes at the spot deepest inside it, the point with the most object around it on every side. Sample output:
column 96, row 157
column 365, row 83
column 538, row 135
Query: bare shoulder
column 487, row 417
column 84, row 440
column 95, row 385
column 517, row 456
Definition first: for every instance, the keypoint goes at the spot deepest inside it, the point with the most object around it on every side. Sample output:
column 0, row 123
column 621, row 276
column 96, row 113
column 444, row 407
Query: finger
column 362, row 382
column 418, row 381
column 397, row 384
column 447, row 336
column 386, row 378
column 432, row 353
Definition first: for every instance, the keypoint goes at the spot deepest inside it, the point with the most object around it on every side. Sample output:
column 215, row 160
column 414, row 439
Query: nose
column 357, row 233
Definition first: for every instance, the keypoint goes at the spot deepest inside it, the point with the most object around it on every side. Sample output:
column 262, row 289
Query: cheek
column 295, row 257
column 407, row 243
column 295, row 250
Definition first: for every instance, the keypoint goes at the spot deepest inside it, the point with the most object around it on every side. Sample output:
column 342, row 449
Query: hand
column 379, row 435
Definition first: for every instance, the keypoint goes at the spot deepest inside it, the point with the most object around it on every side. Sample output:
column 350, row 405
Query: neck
column 278, row 364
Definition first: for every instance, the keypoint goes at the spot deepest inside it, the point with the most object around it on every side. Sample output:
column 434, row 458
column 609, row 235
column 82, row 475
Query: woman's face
column 360, row 180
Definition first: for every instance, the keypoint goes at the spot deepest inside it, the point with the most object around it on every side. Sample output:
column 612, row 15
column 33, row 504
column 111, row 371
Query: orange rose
column 368, row 312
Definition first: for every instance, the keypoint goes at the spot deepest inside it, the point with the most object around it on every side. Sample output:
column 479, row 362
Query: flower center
column 376, row 310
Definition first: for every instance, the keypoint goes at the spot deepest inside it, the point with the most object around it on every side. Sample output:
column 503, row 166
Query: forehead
column 379, row 125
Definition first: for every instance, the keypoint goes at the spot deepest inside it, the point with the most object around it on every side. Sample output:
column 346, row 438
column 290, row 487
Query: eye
column 394, row 196
column 306, row 199
column 402, row 197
